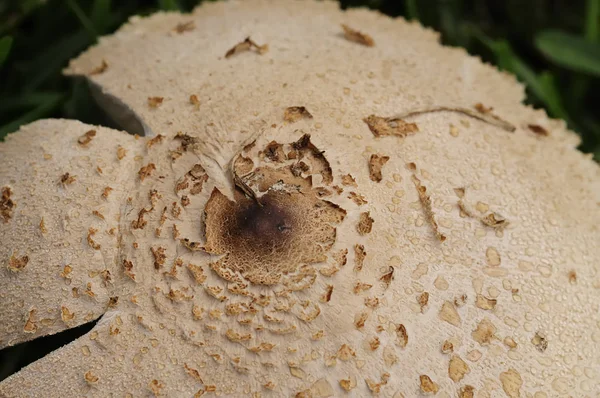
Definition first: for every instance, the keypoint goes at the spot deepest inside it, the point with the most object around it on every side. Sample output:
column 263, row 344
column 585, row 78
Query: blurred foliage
column 553, row 46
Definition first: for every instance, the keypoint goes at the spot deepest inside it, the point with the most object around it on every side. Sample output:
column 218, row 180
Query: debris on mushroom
column 246, row 45
column 357, row 37
column 295, row 113
column 236, row 234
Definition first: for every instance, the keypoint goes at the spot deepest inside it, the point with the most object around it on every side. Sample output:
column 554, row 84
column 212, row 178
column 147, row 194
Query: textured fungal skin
column 243, row 253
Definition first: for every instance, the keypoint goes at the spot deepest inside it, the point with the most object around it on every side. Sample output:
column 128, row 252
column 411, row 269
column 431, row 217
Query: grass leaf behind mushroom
column 5, row 45
column 570, row 51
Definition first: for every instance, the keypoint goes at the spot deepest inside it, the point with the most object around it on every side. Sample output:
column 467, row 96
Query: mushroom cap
column 336, row 213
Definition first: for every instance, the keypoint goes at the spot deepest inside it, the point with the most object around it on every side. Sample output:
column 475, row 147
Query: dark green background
column 551, row 45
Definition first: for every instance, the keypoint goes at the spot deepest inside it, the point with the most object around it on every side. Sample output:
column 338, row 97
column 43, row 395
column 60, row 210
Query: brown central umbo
column 262, row 242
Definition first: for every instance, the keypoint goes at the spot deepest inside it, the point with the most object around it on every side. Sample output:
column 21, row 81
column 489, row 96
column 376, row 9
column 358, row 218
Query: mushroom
column 222, row 249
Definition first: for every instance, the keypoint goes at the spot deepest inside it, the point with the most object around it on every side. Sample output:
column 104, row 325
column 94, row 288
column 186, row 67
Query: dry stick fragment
column 155, row 102
column 247, row 45
column 483, row 116
column 357, row 37
column 426, row 201
column 295, row 113
column 241, row 185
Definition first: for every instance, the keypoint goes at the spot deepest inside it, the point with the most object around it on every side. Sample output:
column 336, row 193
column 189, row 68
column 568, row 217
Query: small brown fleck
column 106, row 192
column 156, row 387
column 572, row 277
column 326, row 297
column 401, row 335
column 154, row 141
column 360, row 287
column 193, row 372
column 195, row 101
column 385, row 126
column 16, row 264
column 360, row 319
column 466, row 392
column 345, row 353
column 91, row 242
column 294, row 113
column 67, row 179
column 376, row 163
column 482, row 108
column 374, row 343
column 183, row 27
column 539, row 130
column 365, row 223
column 159, row 256
column 359, row 257
column 357, row 37
column 423, row 299
column 6, row 205
column 99, row 69
column 357, row 198
column 387, row 277
column 274, row 152
column 348, row 384
column 447, row 347
column 86, row 138
column 427, row 385
column 247, row 45
column 426, row 202
column 90, row 377
column 349, row 181
column 540, row 342
column 98, row 214
column 155, row 102
column 146, row 171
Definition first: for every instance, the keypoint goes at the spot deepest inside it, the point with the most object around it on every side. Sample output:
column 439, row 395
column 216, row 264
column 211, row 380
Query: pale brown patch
column 457, row 368
column 511, row 383
column 447, row 347
column 294, row 113
column 30, row 323
column 159, row 256
column 466, row 392
column 449, row 314
column 485, row 332
column 90, row 240
column 90, row 377
column 386, row 126
column 423, row 300
column 376, row 163
column 106, row 192
column 485, row 303
column 357, row 37
column 357, row 198
column 247, row 45
column 401, row 335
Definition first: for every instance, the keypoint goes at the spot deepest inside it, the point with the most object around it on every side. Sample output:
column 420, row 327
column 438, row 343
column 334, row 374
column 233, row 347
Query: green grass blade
column 570, row 51
column 41, row 111
column 412, row 10
column 27, row 101
column 101, row 15
column 168, row 5
column 83, row 19
column 5, row 45
column 592, row 20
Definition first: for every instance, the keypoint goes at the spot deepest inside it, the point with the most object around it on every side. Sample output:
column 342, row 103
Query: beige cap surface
column 316, row 211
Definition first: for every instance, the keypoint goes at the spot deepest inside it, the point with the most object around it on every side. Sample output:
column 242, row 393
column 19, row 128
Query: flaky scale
column 58, row 172
column 551, row 209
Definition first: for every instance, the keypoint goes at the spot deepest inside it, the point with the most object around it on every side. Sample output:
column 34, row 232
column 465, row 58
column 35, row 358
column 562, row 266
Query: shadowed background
column 553, row 46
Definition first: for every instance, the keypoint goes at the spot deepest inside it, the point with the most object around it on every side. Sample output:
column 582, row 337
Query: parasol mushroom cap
column 323, row 202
